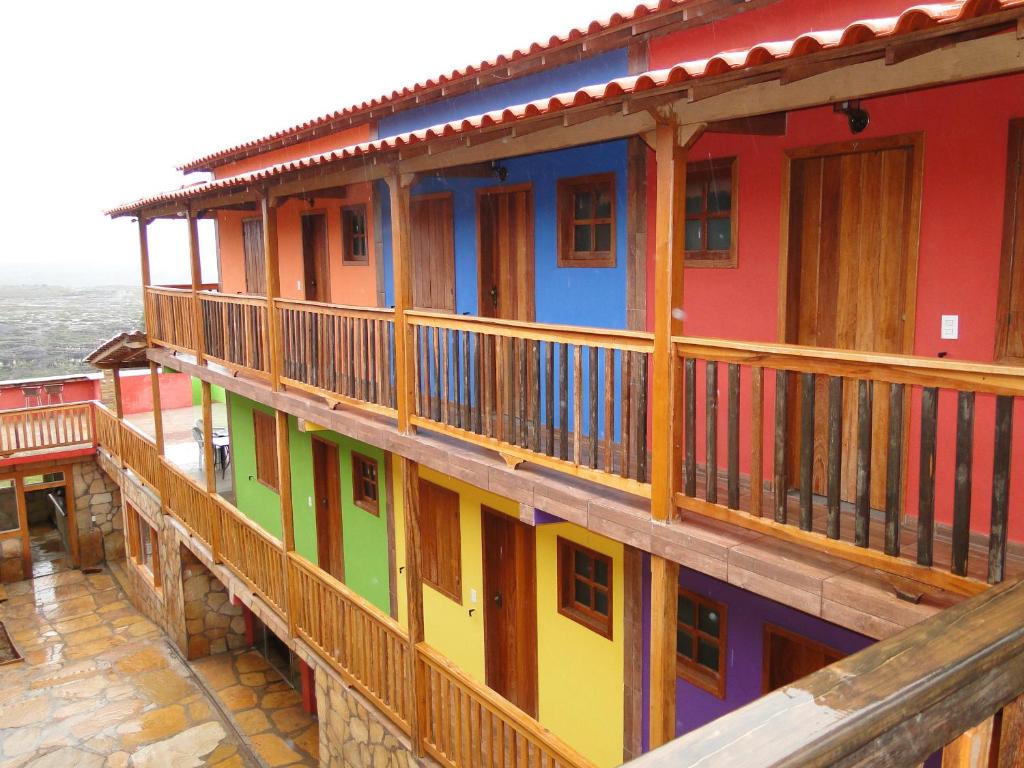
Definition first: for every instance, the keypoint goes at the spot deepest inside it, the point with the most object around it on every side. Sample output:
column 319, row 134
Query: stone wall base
column 213, row 624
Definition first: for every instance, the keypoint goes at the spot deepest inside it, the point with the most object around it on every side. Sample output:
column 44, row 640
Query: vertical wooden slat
column 733, row 439
column 641, row 419
column 690, row 427
column 563, row 400
column 926, row 489
column 971, row 749
column 711, row 431
column 757, row 441
column 862, row 515
column 962, row 481
column 1000, row 490
column 443, row 375
column 807, row 385
column 894, row 470
column 467, row 416
column 549, row 398
column 609, row 409
column 626, row 407
column 1011, row 741
column 835, row 455
column 577, row 402
column 781, row 443
column 594, row 409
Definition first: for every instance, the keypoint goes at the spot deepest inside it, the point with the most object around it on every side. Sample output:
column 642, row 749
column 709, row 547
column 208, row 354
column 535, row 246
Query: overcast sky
column 101, row 100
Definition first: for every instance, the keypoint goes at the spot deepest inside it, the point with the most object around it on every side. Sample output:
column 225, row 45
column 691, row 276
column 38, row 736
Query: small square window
column 354, row 235
column 700, row 642
column 586, row 220
column 585, row 586
column 364, row 483
column 710, row 235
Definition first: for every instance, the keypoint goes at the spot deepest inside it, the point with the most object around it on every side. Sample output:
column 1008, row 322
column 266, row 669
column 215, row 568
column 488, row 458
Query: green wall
column 365, row 536
column 253, row 499
column 217, row 394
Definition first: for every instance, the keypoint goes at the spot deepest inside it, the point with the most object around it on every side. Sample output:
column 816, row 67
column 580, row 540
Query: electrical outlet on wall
column 950, row 327
column 298, row 285
column 472, row 596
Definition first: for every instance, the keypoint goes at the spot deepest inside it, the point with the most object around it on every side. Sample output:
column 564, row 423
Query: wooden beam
column 158, row 417
column 273, row 279
column 284, row 482
column 664, row 588
column 414, row 595
column 146, row 278
column 401, row 250
column 197, row 281
column 118, row 403
column 208, row 460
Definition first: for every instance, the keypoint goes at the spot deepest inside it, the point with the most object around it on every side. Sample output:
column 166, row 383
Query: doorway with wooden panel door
column 315, row 260
column 326, row 489
column 510, row 609
column 850, row 281
column 505, row 241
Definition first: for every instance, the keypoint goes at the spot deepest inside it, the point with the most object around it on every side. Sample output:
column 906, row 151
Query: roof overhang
column 924, row 47
column 126, row 350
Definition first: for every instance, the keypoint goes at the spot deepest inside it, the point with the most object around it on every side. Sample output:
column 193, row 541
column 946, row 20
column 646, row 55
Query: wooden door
column 505, row 245
column 315, row 265
column 326, row 489
column 252, row 243
column 1010, row 307
column 510, row 609
column 789, row 657
column 433, row 253
column 851, row 278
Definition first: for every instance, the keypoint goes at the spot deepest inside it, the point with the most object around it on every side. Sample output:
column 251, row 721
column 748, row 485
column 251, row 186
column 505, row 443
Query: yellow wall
column 580, row 673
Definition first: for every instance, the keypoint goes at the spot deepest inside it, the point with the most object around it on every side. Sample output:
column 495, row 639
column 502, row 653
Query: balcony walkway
column 100, row 686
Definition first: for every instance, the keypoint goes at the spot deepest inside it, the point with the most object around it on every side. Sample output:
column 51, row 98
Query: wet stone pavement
column 100, row 686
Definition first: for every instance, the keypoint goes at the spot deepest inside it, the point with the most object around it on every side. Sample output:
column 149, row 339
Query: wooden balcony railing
column 45, row 428
column 235, row 332
column 572, row 398
column 468, row 725
column 253, row 554
column 952, row 683
column 171, row 319
column 849, row 433
column 367, row 647
column 139, row 454
column 343, row 353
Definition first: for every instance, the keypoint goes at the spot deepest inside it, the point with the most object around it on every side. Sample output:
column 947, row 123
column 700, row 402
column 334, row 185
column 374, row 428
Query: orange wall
column 349, row 283
column 356, row 135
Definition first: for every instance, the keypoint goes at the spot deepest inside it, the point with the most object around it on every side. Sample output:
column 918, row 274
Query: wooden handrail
column 915, row 370
column 631, row 341
column 46, row 427
column 894, row 703
column 234, row 298
column 169, row 290
column 378, row 313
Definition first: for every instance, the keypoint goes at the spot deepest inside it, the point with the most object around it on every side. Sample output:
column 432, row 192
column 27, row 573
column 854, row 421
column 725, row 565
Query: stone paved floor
column 263, row 707
column 100, row 686
column 47, row 548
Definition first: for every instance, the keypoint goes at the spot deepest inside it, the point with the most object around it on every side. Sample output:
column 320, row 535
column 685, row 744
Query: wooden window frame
column 347, row 238
column 265, row 475
column 1013, row 208
column 567, row 255
column 358, row 497
column 690, row 669
column 139, row 529
column 706, row 258
column 431, row 529
column 586, row 615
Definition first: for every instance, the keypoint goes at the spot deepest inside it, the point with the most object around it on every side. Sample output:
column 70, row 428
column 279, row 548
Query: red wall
column 964, row 168
column 136, row 392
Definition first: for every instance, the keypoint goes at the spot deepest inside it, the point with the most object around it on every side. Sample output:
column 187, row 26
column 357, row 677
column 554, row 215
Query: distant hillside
column 47, row 330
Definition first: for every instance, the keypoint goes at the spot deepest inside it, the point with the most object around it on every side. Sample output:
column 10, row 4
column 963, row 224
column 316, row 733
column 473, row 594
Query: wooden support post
column 664, row 588
column 118, row 403
column 671, row 147
column 146, row 279
column 273, row 281
column 401, row 255
column 158, row 417
column 414, row 595
column 971, row 749
column 284, row 481
column 670, row 217
column 208, row 465
column 197, row 280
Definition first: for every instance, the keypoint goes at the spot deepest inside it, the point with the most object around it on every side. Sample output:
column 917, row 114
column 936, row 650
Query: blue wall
column 574, row 295
column 571, row 77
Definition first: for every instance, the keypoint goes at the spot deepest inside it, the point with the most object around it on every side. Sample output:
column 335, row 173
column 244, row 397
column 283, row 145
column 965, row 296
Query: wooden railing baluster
column 894, row 470
column 690, row 427
column 862, row 516
column 563, row 400
column 594, row 415
column 781, row 443
column 834, row 470
column 711, row 431
column 807, row 388
column 962, row 480
column 1000, row 489
column 733, row 438
column 926, row 481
